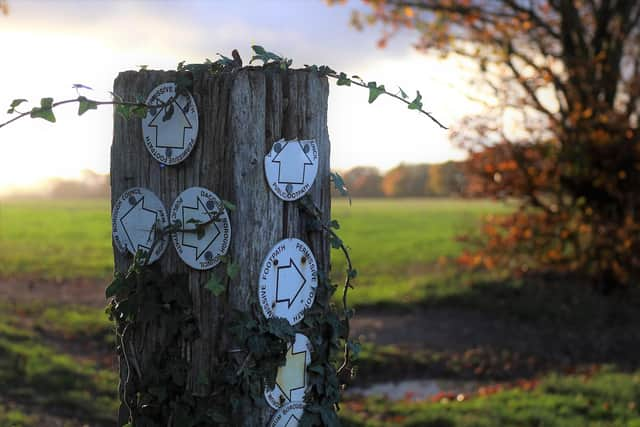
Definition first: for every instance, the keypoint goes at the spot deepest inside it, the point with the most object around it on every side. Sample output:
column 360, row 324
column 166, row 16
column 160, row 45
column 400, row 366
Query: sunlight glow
column 45, row 56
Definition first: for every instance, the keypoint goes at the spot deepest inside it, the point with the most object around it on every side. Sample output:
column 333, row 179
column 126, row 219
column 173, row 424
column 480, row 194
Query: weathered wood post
column 242, row 113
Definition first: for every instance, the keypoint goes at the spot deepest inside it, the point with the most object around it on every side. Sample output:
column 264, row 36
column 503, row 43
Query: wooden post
column 241, row 114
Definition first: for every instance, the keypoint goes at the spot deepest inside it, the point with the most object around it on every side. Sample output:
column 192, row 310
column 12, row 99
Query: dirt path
column 79, row 291
column 522, row 347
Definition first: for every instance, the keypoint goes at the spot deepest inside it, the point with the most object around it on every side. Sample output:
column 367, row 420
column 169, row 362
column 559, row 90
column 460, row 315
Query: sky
column 47, row 46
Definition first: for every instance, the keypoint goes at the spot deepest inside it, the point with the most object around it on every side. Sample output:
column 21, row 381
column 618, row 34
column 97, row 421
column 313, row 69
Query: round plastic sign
column 288, row 281
column 288, row 416
column 205, row 228
column 291, row 167
column 137, row 217
column 170, row 130
column 291, row 379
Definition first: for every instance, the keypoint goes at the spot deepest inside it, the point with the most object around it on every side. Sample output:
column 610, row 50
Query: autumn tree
column 561, row 82
column 446, row 179
column 364, row 181
column 405, row 181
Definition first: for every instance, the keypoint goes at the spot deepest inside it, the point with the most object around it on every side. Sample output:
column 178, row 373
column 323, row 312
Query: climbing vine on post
column 194, row 347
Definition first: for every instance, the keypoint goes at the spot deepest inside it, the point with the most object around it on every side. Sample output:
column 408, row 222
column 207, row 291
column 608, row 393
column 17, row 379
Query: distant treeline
column 90, row 185
column 421, row 180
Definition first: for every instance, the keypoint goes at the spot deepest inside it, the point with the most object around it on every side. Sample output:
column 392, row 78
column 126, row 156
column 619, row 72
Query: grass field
column 57, row 365
column 593, row 399
column 56, row 239
column 394, row 244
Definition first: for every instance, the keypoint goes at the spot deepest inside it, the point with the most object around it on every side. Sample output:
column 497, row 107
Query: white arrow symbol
column 198, row 215
column 289, row 283
column 139, row 225
column 170, row 133
column 292, row 161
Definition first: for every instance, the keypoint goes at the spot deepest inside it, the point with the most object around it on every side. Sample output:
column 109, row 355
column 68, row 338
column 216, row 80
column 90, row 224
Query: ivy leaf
column 17, row 102
column 374, row 91
column 259, row 50
column 14, row 104
column 124, row 111
column 343, row 80
column 338, row 183
column 416, row 104
column 318, row 369
column 85, row 105
column 168, row 112
column 215, row 285
column 114, row 287
column 403, row 94
column 229, row 206
column 233, row 270
column 354, row 348
column 335, row 241
column 201, row 230
column 183, row 83
column 45, row 111
column 261, row 54
column 353, row 273
column 334, row 224
column 139, row 111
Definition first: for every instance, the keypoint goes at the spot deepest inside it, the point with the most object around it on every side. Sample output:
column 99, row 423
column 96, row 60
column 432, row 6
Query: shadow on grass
column 500, row 330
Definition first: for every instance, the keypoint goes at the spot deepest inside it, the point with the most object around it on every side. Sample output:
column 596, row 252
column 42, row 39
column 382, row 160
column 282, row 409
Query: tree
column 445, row 179
column 405, row 181
column 364, row 181
column 569, row 72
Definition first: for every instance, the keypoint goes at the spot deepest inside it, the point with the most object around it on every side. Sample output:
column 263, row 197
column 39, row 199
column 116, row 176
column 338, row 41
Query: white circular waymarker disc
column 291, row 380
column 291, row 167
column 136, row 218
column 200, row 250
column 170, row 140
column 288, row 416
column 288, row 281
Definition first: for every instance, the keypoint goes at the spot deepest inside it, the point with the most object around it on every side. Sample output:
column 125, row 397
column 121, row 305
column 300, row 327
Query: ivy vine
column 142, row 296
column 139, row 108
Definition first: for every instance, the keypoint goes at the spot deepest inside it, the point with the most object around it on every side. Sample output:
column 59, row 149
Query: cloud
column 47, row 46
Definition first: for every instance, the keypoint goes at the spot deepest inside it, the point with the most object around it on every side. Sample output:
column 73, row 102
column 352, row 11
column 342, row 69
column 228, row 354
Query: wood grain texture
column 241, row 114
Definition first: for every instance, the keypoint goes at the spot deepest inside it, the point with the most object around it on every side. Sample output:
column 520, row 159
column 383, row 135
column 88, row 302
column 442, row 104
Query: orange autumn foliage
column 570, row 75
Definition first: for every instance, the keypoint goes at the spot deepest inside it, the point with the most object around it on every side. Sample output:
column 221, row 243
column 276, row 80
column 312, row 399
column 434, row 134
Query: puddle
column 414, row 389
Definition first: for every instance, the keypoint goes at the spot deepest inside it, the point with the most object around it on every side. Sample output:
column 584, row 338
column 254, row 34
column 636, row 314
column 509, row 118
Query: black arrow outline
column 304, row 282
column 289, row 420
column 124, row 227
column 184, row 130
column 304, row 165
column 199, row 203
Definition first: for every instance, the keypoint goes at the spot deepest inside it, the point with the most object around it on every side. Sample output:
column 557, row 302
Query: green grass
column 72, row 322
column 45, row 376
column 607, row 398
column 396, row 244
column 56, row 239
column 10, row 417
